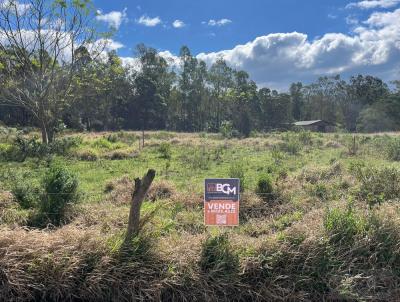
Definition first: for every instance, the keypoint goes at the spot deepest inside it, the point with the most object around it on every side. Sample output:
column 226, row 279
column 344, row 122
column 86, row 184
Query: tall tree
column 41, row 38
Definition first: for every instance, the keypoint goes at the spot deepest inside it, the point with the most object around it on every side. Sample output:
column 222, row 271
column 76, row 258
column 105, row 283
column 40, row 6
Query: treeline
column 105, row 95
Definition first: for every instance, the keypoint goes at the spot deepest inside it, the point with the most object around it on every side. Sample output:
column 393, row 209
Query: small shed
column 316, row 126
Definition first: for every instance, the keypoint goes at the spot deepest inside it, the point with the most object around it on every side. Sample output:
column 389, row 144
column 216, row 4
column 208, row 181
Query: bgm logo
column 221, row 188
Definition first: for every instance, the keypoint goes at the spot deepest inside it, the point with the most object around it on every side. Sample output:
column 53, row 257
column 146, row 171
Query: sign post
column 221, row 201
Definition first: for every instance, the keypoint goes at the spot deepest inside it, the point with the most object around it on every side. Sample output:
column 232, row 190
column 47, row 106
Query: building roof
column 307, row 123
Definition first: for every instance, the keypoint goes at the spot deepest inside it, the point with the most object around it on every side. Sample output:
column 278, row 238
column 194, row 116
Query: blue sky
column 326, row 36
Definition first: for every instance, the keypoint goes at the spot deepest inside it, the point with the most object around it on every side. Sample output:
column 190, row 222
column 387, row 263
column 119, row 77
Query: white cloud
column 332, row 16
column 368, row 4
column 11, row 4
column 220, row 22
column 178, row 24
column 149, row 22
column 114, row 19
column 276, row 60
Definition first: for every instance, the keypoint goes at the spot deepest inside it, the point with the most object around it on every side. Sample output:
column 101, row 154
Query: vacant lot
column 319, row 217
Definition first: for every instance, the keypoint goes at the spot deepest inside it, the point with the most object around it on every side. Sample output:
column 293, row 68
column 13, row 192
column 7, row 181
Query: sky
column 276, row 42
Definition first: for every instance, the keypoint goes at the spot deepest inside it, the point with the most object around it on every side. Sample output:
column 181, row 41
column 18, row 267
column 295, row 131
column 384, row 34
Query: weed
column 217, row 257
column 165, row 150
column 236, row 170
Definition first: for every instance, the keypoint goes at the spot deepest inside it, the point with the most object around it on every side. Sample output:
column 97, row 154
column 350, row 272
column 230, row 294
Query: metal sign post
column 221, row 201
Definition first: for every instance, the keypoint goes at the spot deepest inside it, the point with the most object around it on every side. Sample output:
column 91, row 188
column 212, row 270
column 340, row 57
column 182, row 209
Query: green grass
column 319, row 208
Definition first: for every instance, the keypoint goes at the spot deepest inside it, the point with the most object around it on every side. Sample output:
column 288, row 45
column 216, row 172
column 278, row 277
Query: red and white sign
column 221, row 202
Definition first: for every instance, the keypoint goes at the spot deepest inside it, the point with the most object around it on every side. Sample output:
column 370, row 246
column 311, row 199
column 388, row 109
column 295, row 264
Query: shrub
column 63, row 145
column 23, row 148
column 165, row 150
column 264, row 185
column 236, row 170
column 226, row 129
column 60, row 188
column 5, row 151
column 25, row 193
column 217, row 257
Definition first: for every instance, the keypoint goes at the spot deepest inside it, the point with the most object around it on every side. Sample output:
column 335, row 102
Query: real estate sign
column 221, row 201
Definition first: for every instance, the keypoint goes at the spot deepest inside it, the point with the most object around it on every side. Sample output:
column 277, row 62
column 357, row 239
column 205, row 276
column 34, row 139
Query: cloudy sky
column 276, row 42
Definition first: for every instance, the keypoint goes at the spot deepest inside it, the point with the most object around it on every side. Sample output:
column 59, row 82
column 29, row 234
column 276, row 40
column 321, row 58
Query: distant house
column 316, row 126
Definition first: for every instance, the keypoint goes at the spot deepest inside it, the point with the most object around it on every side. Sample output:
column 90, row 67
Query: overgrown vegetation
column 304, row 219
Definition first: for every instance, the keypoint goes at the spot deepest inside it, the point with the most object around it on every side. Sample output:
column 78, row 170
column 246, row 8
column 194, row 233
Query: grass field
column 328, row 230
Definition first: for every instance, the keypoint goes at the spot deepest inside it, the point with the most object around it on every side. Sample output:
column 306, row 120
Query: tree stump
column 141, row 188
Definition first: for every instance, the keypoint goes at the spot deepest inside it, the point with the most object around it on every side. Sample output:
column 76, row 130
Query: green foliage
column 291, row 146
column 217, row 257
column 287, row 220
column 305, row 137
column 352, row 144
column 113, row 138
column 374, row 119
column 26, row 193
column 165, row 150
column 393, row 149
column 236, row 170
column 319, row 190
column 377, row 184
column 343, row 225
column 23, row 148
column 226, row 129
column 103, row 143
column 60, row 189
column 87, row 155
column 264, row 185
column 198, row 159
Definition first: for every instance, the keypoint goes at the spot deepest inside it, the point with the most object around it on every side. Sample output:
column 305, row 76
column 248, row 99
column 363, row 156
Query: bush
column 226, row 129
column 237, row 171
column 25, row 193
column 165, row 150
column 23, row 148
column 264, row 185
column 60, row 189
column 217, row 257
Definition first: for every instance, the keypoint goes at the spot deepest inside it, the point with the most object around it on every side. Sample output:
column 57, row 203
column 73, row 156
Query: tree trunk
column 45, row 134
column 141, row 188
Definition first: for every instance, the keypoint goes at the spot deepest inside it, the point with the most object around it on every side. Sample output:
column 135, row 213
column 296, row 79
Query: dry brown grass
column 285, row 251
column 161, row 190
